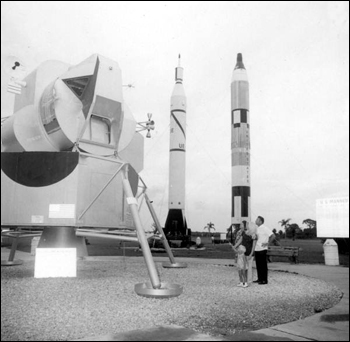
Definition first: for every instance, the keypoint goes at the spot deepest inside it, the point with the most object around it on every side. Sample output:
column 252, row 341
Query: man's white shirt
column 263, row 234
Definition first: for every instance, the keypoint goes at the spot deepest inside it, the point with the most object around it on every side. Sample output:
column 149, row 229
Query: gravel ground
column 102, row 300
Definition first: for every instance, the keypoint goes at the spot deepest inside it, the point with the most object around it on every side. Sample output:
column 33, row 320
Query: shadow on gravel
column 335, row 318
column 17, row 272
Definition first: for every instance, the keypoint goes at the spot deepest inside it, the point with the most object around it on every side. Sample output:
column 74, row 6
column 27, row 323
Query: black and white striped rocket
column 176, row 221
column 240, row 144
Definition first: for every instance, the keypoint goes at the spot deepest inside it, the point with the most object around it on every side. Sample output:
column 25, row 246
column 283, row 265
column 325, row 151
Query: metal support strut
column 173, row 263
column 11, row 261
column 154, row 289
column 15, row 236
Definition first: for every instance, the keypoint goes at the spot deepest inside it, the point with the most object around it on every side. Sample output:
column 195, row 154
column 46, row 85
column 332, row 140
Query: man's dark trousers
column 261, row 265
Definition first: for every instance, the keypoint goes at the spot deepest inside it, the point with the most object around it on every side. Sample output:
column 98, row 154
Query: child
column 242, row 266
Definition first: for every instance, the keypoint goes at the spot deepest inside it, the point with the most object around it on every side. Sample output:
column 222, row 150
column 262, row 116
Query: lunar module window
column 47, row 110
column 99, row 130
column 77, row 85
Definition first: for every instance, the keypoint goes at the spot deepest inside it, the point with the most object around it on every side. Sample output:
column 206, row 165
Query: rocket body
column 240, row 144
column 176, row 222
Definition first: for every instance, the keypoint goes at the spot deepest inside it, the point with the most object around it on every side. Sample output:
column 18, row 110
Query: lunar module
column 70, row 160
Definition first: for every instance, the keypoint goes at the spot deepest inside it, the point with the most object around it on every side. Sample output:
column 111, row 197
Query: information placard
column 332, row 216
column 55, row 262
column 62, row 211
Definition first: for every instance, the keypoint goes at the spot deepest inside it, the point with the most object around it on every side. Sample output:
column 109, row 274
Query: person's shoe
column 256, row 281
column 245, row 284
column 240, row 285
column 262, row 282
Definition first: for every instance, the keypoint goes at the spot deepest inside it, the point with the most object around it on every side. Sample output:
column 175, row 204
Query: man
column 265, row 235
column 274, row 241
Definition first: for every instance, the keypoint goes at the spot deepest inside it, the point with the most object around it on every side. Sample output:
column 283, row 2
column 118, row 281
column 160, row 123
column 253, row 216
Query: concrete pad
column 319, row 331
column 159, row 333
column 178, row 333
column 270, row 334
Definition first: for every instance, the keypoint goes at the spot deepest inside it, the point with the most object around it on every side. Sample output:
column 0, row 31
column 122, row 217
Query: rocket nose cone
column 239, row 63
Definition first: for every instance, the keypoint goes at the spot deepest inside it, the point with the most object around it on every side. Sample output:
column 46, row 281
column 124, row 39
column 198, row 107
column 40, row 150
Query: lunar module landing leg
column 155, row 288
column 172, row 263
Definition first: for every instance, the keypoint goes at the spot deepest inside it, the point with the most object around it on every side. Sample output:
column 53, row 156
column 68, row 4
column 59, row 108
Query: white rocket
column 176, row 221
column 240, row 144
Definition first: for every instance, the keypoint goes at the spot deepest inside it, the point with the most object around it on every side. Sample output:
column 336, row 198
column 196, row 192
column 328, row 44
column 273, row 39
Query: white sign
column 222, row 236
column 332, row 216
column 62, row 211
column 37, row 219
column 55, row 262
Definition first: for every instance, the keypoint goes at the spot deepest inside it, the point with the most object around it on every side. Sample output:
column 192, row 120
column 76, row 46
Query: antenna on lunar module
column 15, row 69
column 146, row 125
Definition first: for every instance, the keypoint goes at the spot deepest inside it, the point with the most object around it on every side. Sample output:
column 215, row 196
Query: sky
column 297, row 58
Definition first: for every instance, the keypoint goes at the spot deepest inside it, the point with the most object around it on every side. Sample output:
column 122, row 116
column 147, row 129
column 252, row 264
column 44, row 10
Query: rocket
column 176, row 222
column 240, row 144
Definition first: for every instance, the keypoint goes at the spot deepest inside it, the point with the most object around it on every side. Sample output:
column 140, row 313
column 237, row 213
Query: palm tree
column 285, row 224
column 209, row 226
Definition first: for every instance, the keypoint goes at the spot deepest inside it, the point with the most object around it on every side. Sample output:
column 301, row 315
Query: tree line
column 293, row 231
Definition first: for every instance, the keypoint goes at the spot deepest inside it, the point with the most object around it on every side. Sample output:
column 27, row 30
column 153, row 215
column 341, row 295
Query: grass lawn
column 311, row 251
